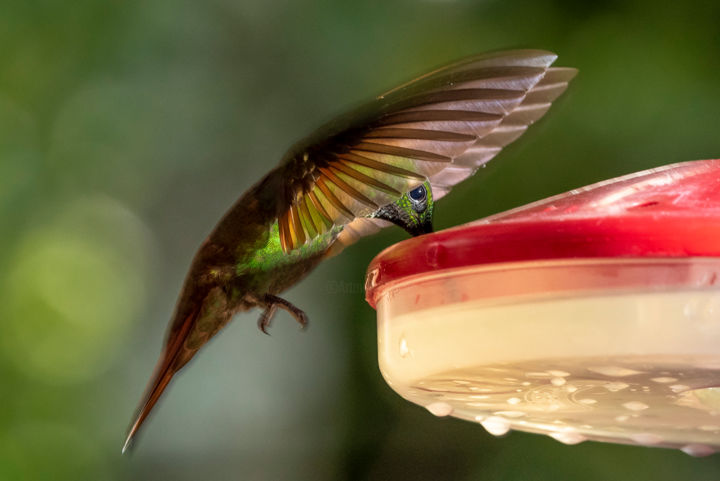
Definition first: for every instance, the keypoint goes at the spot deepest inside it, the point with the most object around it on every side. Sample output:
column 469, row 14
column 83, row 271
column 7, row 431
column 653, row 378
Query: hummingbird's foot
column 272, row 303
column 266, row 318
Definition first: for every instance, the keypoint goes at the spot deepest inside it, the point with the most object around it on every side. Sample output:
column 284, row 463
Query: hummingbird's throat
column 413, row 224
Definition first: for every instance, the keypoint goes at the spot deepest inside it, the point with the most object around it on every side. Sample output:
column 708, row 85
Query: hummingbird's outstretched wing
column 441, row 126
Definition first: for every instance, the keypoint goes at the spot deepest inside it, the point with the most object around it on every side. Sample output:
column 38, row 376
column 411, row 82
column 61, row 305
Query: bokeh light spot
column 76, row 285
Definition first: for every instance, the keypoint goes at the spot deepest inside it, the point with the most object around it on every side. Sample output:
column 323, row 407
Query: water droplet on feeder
column 569, row 438
column 697, row 450
column 496, row 426
column 440, row 409
column 635, row 406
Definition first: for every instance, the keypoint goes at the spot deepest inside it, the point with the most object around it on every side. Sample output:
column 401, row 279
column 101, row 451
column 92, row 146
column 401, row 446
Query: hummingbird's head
column 413, row 211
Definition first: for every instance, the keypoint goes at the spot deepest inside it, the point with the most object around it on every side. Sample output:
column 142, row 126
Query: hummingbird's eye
column 418, row 199
column 418, row 194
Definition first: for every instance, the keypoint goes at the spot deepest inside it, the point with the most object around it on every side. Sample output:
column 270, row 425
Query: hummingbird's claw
column 272, row 303
column 266, row 318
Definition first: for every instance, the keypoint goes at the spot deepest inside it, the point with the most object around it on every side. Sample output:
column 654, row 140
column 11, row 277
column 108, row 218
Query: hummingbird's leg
column 266, row 318
column 273, row 302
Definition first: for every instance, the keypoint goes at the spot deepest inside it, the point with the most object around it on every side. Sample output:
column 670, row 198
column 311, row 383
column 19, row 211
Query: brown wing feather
column 346, row 169
column 308, row 222
column 333, row 200
column 330, row 173
column 325, row 217
column 441, row 126
column 380, row 167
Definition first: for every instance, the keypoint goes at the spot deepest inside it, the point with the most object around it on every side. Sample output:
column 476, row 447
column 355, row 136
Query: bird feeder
column 592, row 315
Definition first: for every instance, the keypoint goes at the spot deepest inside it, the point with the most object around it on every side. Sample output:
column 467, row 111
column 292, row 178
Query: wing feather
column 398, row 151
column 330, row 173
column 306, row 218
column 535, row 104
column 333, row 200
column 419, row 134
column 323, row 214
column 346, row 169
column 386, row 168
column 296, row 229
column 442, row 126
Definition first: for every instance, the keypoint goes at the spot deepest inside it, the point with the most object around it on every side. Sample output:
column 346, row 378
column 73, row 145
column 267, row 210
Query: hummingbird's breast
column 268, row 269
column 249, row 234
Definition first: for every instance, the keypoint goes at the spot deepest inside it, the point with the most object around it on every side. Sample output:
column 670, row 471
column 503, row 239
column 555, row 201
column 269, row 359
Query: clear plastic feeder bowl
column 594, row 314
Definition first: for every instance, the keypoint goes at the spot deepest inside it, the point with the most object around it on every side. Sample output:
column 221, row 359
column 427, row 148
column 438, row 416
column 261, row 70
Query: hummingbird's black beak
column 420, row 229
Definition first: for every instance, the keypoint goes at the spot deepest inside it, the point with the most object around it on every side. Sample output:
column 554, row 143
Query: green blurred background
column 128, row 127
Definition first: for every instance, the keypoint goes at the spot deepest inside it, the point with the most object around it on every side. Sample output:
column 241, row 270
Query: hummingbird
column 385, row 163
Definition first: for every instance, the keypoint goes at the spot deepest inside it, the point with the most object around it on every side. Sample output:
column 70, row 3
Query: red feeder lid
column 671, row 211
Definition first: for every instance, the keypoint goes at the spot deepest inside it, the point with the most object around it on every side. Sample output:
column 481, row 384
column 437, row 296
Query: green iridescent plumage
column 271, row 255
column 387, row 162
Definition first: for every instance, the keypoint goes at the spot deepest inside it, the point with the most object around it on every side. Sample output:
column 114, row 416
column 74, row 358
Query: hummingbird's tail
column 199, row 315
column 171, row 360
